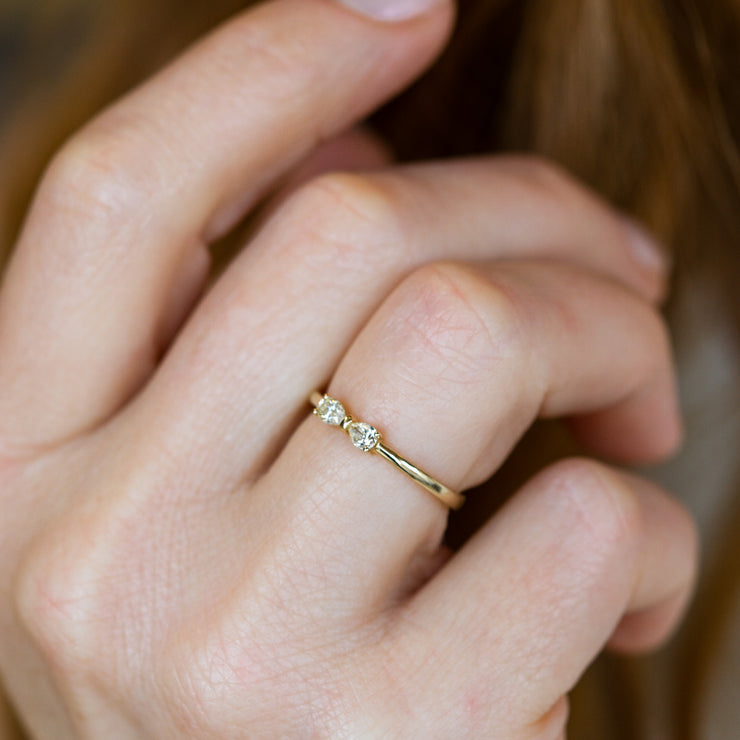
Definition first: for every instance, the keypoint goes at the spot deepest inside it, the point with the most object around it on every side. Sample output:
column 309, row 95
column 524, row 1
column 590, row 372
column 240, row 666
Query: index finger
column 115, row 240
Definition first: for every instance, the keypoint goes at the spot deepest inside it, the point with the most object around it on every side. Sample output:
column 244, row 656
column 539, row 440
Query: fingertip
column 647, row 428
column 658, row 605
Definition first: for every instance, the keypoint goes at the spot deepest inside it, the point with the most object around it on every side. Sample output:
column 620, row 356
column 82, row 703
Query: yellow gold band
column 368, row 439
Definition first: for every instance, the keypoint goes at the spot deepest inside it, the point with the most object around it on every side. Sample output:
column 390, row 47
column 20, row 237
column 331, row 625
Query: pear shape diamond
column 330, row 411
column 363, row 436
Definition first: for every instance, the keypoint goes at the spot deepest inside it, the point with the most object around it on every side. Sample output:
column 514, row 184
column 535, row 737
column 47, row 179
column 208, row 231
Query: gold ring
column 368, row 439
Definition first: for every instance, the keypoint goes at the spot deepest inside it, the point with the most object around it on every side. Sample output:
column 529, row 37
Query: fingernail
column 392, row 10
column 646, row 250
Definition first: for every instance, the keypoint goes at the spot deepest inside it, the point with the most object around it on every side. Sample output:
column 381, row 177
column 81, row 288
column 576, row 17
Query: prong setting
column 330, row 411
column 364, row 436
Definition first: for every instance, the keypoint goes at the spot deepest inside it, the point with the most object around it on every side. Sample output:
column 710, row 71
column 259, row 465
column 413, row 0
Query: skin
column 186, row 551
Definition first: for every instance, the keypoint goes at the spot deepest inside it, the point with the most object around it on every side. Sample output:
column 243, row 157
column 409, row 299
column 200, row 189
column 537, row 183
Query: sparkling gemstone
column 330, row 411
column 363, row 436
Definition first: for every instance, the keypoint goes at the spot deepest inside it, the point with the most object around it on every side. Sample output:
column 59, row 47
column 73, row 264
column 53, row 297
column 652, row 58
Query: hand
column 186, row 552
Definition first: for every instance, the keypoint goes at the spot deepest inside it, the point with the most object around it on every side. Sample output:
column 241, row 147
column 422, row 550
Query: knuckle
column 604, row 507
column 459, row 320
column 52, row 601
column 95, row 178
column 346, row 219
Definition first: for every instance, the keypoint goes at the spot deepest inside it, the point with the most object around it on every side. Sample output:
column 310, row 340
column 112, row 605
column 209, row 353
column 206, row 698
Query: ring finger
column 453, row 368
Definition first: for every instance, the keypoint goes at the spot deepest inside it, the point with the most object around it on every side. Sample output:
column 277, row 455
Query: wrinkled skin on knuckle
column 449, row 328
column 38, row 551
column 82, row 603
column 98, row 177
column 605, row 511
column 92, row 584
column 348, row 222
column 63, row 605
column 95, row 598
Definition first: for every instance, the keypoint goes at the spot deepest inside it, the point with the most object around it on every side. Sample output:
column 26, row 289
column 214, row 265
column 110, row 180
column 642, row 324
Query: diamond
column 364, row 436
column 331, row 411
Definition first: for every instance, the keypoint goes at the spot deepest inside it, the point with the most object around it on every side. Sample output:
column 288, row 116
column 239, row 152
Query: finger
column 533, row 597
column 356, row 149
column 114, row 243
column 277, row 324
column 452, row 370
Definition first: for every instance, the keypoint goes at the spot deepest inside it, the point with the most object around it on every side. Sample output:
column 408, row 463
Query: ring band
column 368, row 439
